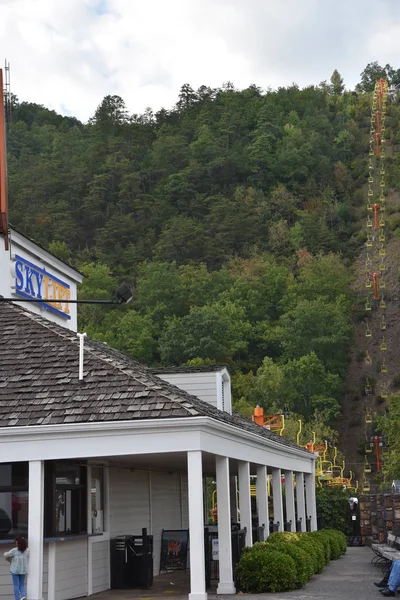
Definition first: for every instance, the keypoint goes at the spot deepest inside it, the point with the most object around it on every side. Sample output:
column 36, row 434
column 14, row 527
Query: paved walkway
column 349, row 578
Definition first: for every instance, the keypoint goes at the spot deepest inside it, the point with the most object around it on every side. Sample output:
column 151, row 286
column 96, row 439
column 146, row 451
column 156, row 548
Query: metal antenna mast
column 7, row 93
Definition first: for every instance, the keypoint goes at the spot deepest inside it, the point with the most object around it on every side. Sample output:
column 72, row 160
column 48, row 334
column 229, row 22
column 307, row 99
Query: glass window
column 13, row 514
column 65, row 498
column 13, row 500
column 14, row 475
column 97, row 500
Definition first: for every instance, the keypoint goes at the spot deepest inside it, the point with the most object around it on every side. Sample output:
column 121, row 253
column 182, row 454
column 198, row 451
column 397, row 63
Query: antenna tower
column 7, row 93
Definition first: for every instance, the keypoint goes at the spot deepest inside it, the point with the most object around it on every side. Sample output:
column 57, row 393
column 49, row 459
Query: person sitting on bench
column 391, row 580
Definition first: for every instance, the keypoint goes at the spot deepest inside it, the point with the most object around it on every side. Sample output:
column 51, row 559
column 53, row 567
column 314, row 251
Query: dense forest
column 234, row 216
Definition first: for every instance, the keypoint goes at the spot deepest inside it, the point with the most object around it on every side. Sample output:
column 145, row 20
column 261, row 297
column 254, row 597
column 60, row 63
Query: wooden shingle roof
column 39, row 382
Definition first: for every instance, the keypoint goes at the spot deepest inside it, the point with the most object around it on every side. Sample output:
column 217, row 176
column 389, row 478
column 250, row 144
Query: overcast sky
column 69, row 54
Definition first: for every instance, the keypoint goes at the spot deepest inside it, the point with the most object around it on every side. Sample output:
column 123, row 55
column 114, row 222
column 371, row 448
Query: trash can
column 131, row 558
column 141, row 554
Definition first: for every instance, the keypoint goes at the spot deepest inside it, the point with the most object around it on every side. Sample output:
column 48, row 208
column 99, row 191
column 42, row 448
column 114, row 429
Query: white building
column 125, row 448
column 29, row 271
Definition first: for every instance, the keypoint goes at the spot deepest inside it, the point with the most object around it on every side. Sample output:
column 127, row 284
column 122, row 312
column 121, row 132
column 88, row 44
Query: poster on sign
column 174, row 548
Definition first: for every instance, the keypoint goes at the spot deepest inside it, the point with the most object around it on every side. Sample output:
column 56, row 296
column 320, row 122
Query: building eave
column 108, row 429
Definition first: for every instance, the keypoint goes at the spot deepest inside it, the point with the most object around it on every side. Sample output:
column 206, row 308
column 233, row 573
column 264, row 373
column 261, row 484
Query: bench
column 386, row 553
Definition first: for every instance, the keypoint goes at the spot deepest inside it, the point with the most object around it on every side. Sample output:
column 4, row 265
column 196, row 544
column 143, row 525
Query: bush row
column 288, row 560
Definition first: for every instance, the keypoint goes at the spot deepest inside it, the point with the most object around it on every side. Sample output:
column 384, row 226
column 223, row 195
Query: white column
column 301, row 503
column 277, row 497
column 196, row 526
column 234, row 499
column 89, row 529
column 290, row 508
column 262, row 500
column 35, row 529
column 225, row 585
column 245, row 500
column 310, row 498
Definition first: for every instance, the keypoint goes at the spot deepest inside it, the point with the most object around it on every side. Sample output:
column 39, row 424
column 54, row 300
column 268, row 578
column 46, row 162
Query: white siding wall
column 166, row 509
column 71, row 569
column 6, row 587
column 100, row 566
column 129, row 502
column 130, row 505
column 202, row 385
column 45, row 571
column 185, row 502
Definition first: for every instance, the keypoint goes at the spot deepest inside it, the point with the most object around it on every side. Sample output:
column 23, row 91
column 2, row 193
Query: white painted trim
column 88, row 439
column 51, row 574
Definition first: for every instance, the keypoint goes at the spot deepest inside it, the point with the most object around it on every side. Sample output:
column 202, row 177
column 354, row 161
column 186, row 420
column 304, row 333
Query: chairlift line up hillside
column 375, row 266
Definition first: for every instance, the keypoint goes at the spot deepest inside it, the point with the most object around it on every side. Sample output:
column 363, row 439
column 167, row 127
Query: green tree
column 390, row 426
column 337, row 85
column 218, row 331
column 310, row 387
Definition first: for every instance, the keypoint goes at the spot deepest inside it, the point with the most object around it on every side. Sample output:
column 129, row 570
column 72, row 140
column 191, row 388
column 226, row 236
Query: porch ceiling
column 174, row 462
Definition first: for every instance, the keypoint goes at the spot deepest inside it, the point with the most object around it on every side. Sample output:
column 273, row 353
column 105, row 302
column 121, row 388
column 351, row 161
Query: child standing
column 19, row 558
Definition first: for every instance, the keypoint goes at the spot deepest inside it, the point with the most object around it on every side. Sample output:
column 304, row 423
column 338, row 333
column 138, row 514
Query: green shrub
column 315, row 549
column 335, row 551
column 283, row 536
column 340, row 540
column 304, row 562
column 323, row 540
column 261, row 570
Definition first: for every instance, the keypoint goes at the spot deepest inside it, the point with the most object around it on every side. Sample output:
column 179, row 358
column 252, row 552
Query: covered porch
column 154, row 473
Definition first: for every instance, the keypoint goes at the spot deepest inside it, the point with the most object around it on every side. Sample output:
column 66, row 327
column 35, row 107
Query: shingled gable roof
column 39, row 382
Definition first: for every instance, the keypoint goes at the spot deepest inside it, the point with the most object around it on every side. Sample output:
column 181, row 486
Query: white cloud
column 69, row 55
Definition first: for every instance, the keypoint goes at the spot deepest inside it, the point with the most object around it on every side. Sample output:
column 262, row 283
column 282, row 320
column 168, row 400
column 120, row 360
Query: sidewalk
column 349, row 578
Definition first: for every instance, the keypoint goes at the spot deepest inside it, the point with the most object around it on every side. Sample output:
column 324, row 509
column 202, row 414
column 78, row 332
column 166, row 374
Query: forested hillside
column 235, row 217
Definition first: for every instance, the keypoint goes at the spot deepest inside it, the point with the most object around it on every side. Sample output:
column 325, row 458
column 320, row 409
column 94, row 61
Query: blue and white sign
column 32, row 281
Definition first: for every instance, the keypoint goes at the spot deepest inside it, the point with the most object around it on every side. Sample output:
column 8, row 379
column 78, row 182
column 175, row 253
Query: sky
column 69, row 54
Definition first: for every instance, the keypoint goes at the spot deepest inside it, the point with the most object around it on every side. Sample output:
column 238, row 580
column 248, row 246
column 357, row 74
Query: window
column 65, row 498
column 97, row 500
column 13, row 500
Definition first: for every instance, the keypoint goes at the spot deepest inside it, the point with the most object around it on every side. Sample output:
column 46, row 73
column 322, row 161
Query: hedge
column 264, row 571
column 287, row 560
